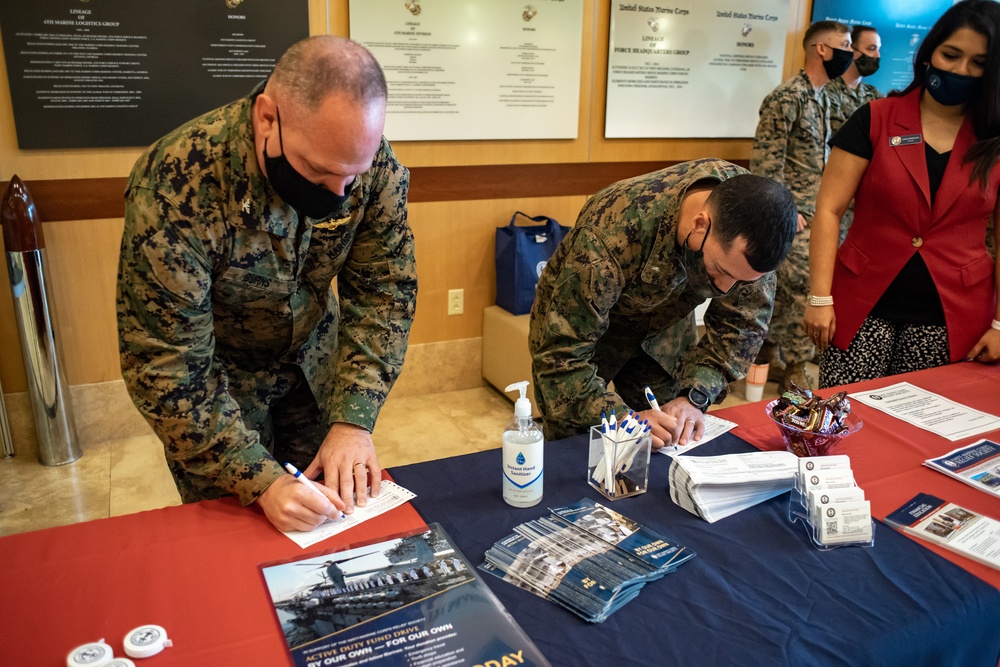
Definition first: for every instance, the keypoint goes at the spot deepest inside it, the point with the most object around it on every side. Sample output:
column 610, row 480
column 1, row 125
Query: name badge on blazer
column 332, row 224
column 905, row 140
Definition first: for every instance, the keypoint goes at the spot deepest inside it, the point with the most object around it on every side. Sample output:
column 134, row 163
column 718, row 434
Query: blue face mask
column 950, row 89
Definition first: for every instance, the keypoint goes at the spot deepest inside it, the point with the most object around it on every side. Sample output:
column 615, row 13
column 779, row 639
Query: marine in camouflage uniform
column 615, row 302
column 844, row 101
column 232, row 339
column 790, row 146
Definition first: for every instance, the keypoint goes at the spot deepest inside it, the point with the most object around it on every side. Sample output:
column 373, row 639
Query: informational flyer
column 391, row 496
column 900, row 25
column 978, row 465
column 476, row 69
column 410, row 599
column 954, row 527
column 929, row 411
column 694, row 68
column 714, row 427
column 126, row 72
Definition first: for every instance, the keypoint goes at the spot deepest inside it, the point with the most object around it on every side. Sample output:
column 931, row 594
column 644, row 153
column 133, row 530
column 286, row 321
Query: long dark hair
column 982, row 16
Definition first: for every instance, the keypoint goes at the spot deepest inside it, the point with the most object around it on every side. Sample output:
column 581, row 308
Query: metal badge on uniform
column 905, row 140
column 332, row 224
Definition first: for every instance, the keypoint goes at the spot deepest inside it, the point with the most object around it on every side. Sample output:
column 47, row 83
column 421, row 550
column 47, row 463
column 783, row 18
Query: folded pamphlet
column 977, row 465
column 965, row 532
column 585, row 557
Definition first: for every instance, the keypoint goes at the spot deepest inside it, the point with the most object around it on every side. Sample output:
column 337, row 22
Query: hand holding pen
column 299, row 477
column 662, row 425
column 688, row 422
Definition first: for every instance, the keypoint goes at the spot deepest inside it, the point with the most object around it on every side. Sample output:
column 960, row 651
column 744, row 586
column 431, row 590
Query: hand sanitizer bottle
column 522, row 454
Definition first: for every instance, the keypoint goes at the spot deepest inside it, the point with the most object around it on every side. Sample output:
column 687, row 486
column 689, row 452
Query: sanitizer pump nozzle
column 522, row 406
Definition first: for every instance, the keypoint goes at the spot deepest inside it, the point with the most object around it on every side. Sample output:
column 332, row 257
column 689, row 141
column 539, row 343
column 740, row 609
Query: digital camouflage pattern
column 224, row 293
column 790, row 143
column 616, row 287
column 790, row 146
column 844, row 101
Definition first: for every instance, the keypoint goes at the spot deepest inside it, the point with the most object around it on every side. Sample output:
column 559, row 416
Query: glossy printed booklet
column 411, row 599
column 978, row 465
column 965, row 532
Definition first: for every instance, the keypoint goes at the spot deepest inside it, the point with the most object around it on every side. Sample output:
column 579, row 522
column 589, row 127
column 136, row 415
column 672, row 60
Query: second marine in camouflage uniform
column 790, row 147
column 844, row 101
column 225, row 303
column 617, row 287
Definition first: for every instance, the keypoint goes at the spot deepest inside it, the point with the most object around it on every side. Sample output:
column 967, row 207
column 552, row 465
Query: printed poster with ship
column 411, row 599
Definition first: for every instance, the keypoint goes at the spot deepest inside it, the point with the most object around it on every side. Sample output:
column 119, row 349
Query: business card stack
column 829, row 501
column 714, row 487
column 585, row 557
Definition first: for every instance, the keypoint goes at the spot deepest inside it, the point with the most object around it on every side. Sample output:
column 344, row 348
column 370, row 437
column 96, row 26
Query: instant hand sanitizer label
column 522, row 471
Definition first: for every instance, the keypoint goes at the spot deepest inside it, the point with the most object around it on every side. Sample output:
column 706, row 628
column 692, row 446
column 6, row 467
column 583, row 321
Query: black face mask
column 296, row 190
column 838, row 64
column 698, row 280
column 950, row 89
column 866, row 65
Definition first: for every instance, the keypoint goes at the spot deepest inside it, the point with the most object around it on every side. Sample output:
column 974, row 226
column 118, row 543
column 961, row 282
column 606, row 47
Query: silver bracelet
column 995, row 325
column 821, row 300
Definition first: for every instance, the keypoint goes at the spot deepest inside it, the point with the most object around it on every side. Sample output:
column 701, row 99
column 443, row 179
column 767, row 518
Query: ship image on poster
column 411, row 599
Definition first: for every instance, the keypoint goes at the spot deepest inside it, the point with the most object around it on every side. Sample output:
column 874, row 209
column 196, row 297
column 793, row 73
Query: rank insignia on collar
column 332, row 224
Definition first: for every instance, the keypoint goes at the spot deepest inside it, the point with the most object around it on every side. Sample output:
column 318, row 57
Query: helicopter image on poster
column 320, row 596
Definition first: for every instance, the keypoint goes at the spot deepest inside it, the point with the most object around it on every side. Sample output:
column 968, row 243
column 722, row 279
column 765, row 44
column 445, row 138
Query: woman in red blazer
column 913, row 285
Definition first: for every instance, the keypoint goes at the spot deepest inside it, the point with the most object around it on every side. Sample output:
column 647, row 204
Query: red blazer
column 893, row 218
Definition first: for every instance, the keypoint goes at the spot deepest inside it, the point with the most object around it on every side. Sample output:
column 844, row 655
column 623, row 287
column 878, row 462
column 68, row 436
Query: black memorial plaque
column 102, row 73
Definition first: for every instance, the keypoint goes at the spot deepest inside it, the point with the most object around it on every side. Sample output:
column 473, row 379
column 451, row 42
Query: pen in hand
column 652, row 400
column 297, row 474
column 656, row 406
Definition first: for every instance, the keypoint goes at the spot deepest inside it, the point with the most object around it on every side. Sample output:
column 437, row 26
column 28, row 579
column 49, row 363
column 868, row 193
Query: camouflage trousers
column 279, row 405
column 786, row 333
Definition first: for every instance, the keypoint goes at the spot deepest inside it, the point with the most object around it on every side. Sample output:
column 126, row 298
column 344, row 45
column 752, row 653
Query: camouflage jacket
column 617, row 284
column 844, row 101
column 790, row 142
column 220, row 283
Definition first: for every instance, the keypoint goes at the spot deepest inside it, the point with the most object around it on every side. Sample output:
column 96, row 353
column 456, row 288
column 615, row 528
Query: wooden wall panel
column 455, row 250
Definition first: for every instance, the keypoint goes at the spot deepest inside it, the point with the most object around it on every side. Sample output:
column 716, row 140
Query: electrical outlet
column 456, row 301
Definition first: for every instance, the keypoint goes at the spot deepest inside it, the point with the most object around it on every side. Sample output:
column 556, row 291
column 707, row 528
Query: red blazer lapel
column 906, row 123
column 956, row 174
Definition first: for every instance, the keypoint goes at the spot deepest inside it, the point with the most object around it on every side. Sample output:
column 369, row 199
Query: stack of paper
column 585, row 557
column 713, row 487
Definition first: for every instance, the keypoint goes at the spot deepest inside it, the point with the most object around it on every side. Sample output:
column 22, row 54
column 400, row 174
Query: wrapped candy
column 804, row 410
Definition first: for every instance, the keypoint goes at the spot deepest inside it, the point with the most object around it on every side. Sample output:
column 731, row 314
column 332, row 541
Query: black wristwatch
column 697, row 398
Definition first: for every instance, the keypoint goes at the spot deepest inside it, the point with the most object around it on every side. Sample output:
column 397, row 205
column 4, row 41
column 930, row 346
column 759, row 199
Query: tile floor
column 122, row 469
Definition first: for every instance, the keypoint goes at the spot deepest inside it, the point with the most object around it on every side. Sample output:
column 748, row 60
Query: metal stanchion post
column 6, row 443
column 25, row 246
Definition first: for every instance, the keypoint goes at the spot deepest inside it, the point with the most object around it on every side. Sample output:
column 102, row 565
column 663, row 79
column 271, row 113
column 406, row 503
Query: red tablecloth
column 191, row 569
column 887, row 454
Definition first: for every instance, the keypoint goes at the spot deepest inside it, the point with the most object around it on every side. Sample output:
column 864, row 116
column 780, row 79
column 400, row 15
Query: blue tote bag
column 521, row 254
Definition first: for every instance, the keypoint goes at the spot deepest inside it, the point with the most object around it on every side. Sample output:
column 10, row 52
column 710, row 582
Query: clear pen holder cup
column 618, row 468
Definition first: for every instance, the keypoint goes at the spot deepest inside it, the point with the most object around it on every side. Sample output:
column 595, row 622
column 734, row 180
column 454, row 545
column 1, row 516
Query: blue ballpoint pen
column 652, row 400
column 656, row 406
